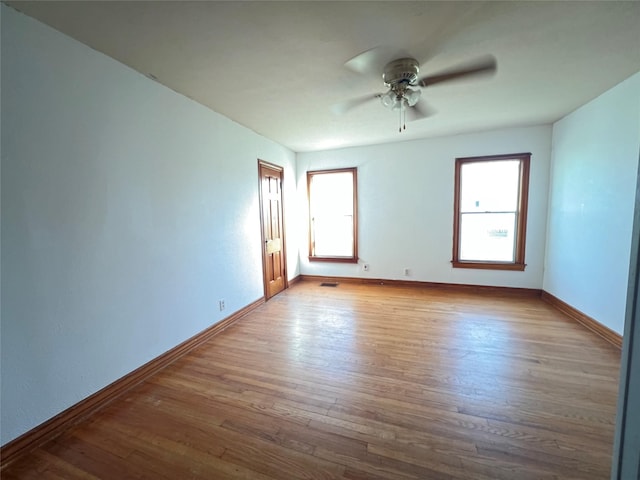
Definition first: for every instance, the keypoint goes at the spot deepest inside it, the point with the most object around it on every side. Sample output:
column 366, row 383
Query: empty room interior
column 316, row 240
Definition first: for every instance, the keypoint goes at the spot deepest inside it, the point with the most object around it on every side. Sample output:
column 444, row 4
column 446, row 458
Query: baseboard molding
column 590, row 323
column 53, row 427
column 529, row 292
column 295, row 280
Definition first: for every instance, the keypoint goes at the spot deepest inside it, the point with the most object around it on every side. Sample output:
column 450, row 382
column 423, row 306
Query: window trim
column 521, row 216
column 336, row 259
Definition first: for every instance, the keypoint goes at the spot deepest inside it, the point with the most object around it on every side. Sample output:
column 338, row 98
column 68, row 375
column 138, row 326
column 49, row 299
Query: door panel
column 273, row 253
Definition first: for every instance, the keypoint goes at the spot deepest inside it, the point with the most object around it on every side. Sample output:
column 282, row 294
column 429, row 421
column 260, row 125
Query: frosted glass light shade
column 389, row 99
column 412, row 96
column 399, row 104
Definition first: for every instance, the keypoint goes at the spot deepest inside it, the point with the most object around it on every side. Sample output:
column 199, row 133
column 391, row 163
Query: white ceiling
column 278, row 67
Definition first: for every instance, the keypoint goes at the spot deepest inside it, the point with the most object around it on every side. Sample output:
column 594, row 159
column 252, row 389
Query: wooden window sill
column 334, row 259
column 490, row 265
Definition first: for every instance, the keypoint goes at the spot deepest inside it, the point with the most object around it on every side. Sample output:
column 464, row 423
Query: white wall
column 405, row 202
column 592, row 197
column 127, row 212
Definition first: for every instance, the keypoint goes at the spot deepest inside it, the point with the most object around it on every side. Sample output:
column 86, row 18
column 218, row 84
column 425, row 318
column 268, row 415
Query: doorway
column 274, row 261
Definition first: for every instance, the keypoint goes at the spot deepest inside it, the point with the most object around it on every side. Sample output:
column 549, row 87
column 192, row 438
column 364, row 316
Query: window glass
column 332, row 215
column 490, row 211
column 490, row 186
column 487, row 237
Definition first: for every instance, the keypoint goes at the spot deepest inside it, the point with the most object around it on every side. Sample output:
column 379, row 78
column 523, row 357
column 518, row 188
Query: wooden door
column 273, row 245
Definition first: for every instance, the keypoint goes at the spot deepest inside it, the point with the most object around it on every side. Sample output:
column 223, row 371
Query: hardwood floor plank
column 375, row 466
column 363, row 382
column 278, row 461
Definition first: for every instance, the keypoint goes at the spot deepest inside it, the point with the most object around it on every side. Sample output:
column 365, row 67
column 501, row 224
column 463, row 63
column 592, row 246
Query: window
column 490, row 211
column 333, row 224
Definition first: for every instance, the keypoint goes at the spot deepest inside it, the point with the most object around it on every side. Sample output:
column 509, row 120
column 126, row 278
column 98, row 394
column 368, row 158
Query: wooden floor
column 363, row 382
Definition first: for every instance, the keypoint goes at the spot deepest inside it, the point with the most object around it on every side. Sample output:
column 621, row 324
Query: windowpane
column 333, row 236
column 332, row 215
column 487, row 237
column 332, row 194
column 490, row 186
column 490, row 216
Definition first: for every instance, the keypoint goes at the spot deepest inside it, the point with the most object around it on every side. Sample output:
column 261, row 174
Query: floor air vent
column 329, row 284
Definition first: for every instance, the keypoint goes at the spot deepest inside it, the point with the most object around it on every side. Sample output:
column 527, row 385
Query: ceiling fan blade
column 419, row 111
column 475, row 68
column 372, row 61
column 343, row 107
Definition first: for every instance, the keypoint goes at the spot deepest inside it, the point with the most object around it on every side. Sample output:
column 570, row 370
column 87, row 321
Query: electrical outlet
column 221, row 304
column 407, row 272
column 365, row 267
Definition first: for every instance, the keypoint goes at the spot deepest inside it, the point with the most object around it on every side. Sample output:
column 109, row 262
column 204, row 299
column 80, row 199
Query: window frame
column 521, row 214
column 338, row 259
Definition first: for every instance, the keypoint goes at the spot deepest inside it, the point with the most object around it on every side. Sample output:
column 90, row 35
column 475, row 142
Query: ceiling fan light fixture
column 412, row 96
column 389, row 99
column 401, row 77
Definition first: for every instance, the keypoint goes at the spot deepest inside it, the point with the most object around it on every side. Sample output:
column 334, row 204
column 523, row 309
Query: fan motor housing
column 403, row 70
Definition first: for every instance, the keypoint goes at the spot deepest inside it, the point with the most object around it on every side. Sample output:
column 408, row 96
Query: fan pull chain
column 402, row 117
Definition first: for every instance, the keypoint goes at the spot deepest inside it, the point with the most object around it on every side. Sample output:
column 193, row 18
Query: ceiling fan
column 401, row 77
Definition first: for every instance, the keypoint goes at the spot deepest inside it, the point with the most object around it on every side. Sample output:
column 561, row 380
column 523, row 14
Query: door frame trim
column 264, row 163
